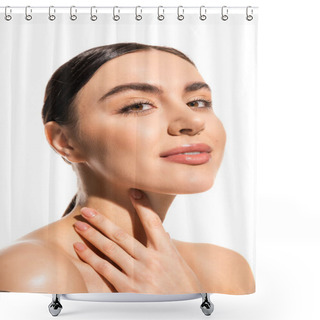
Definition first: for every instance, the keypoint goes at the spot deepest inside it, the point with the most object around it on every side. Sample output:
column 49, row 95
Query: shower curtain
column 97, row 101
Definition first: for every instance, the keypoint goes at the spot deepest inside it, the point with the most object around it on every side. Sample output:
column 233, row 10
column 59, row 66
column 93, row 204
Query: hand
column 157, row 268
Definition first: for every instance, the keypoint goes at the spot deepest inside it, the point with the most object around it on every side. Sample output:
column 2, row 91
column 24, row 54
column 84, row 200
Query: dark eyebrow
column 146, row 87
column 196, row 86
column 132, row 86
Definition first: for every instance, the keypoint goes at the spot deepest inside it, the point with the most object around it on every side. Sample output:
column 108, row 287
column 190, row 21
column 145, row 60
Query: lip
column 200, row 147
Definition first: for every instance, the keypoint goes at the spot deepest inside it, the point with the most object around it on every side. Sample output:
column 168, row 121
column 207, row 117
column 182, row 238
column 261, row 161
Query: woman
column 126, row 116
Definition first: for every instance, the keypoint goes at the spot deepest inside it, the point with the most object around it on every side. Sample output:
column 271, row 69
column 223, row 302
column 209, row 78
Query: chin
column 195, row 186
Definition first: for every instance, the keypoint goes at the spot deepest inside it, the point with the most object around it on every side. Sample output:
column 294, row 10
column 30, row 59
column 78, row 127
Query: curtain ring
column 116, row 17
column 203, row 16
column 52, row 16
column 93, row 17
column 139, row 16
column 249, row 16
column 28, row 16
column 160, row 16
column 224, row 13
column 180, row 16
column 72, row 15
column 8, row 17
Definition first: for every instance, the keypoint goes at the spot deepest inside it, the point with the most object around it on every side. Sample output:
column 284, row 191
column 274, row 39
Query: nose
column 186, row 121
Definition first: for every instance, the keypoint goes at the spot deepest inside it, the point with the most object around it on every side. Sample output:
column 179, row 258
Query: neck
column 116, row 206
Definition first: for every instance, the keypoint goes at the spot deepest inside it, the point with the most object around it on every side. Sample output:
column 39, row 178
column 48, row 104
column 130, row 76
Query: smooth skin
column 112, row 153
column 156, row 268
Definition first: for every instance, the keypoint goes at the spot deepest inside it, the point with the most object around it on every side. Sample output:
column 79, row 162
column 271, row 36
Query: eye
column 138, row 106
column 206, row 103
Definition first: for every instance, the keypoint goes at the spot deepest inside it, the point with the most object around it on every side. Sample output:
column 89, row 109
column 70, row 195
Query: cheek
column 218, row 136
column 132, row 139
column 124, row 147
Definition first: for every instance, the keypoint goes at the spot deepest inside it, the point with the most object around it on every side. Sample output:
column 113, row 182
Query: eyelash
column 123, row 111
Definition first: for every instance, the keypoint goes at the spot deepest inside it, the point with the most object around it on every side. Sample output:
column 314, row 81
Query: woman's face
column 123, row 146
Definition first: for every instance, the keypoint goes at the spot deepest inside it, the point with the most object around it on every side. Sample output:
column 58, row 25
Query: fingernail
column 79, row 246
column 87, row 212
column 136, row 193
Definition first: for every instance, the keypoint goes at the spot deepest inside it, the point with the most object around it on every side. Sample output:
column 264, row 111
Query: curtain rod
column 127, row 7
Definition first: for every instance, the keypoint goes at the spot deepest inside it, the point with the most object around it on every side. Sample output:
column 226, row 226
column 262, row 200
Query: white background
column 288, row 241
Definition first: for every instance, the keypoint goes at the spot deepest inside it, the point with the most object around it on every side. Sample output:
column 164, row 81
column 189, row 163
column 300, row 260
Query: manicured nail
column 81, row 226
column 137, row 194
column 87, row 212
column 79, row 246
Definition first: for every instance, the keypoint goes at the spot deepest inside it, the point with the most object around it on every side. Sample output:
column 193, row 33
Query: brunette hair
column 63, row 86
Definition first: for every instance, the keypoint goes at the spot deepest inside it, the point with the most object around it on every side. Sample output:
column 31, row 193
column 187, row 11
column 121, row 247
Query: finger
column 117, row 278
column 106, row 246
column 151, row 222
column 131, row 245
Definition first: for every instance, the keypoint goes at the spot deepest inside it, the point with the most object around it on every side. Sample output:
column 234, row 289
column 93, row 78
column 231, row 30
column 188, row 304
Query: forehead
column 151, row 65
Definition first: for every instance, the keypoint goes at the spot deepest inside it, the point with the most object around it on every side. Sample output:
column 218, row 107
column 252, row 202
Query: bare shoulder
column 219, row 269
column 33, row 266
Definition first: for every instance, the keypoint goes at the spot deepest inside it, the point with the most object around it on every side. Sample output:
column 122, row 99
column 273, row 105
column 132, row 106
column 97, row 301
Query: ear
column 61, row 143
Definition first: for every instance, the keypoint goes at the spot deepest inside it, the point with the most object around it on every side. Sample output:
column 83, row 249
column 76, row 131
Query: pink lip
column 200, row 147
column 199, row 158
